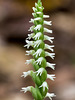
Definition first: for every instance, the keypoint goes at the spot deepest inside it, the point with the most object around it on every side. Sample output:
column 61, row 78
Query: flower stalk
column 39, row 76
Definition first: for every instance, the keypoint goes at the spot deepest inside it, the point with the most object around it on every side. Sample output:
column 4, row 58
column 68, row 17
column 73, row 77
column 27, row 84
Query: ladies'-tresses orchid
column 39, row 76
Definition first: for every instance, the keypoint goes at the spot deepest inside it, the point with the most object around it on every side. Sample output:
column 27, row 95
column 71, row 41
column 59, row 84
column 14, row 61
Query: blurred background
column 14, row 24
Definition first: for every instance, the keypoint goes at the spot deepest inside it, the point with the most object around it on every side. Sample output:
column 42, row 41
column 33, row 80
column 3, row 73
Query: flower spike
column 36, row 41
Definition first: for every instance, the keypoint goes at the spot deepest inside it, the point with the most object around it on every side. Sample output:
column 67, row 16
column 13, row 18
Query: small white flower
column 36, row 4
column 39, row 13
column 38, row 18
column 44, row 85
column 50, row 95
column 51, row 65
column 31, row 28
column 30, row 52
column 31, row 21
column 45, row 16
column 40, row 8
column 52, row 55
column 40, row 71
column 34, row 9
column 48, row 22
column 50, row 47
column 25, row 89
column 25, row 74
column 30, row 36
column 29, row 61
column 29, row 43
column 37, row 43
column 37, row 36
column 51, row 77
column 38, row 52
column 48, row 38
column 33, row 14
column 39, row 61
column 47, row 30
column 38, row 27
column 35, row 19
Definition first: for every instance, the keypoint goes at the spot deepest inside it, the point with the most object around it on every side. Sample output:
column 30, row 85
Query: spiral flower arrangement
column 40, row 91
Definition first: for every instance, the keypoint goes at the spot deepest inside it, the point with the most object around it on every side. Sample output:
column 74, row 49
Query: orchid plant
column 40, row 91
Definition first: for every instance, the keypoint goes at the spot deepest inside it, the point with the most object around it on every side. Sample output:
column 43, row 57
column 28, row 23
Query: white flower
column 30, row 52
column 50, row 47
column 51, row 65
column 37, row 36
column 39, row 61
column 48, row 38
column 40, row 8
column 38, row 52
column 25, row 89
column 40, row 71
column 29, row 61
column 31, row 28
column 29, row 43
column 33, row 14
column 34, row 9
column 38, row 18
column 44, row 85
column 51, row 76
column 37, row 43
column 39, row 13
column 38, row 27
column 25, row 74
column 50, row 95
column 45, row 16
column 48, row 22
column 30, row 36
column 52, row 55
column 35, row 19
column 36, row 4
column 31, row 21
column 47, row 30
